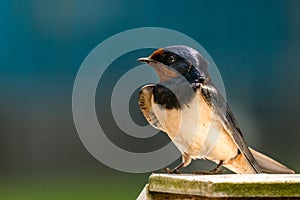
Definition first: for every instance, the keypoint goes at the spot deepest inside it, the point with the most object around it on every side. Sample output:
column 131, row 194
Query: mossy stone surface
column 230, row 185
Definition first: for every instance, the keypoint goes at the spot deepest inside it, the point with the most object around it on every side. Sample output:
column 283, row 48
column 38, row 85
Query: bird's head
column 178, row 61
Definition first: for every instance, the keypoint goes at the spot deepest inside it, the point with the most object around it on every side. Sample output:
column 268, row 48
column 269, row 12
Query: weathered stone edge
column 175, row 185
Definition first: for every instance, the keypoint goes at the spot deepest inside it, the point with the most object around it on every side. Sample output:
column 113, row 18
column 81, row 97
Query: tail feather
column 270, row 166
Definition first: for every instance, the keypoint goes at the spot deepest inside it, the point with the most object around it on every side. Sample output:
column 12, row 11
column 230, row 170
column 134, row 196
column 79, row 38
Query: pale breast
column 196, row 130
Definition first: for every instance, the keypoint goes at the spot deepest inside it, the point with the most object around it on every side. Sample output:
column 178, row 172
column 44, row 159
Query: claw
column 211, row 172
column 171, row 171
column 214, row 171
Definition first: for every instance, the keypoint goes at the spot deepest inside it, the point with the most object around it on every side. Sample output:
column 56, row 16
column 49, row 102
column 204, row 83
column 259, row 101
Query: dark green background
column 255, row 45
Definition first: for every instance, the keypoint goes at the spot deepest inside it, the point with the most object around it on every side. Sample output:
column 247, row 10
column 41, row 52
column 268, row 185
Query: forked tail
column 270, row 166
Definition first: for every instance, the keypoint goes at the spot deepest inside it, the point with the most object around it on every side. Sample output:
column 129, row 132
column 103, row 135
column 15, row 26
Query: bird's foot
column 211, row 172
column 171, row 171
column 216, row 170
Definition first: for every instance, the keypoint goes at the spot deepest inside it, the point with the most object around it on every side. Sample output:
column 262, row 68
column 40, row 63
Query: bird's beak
column 145, row 60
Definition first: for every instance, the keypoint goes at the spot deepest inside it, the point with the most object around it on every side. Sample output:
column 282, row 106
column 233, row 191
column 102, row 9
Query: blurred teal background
column 255, row 45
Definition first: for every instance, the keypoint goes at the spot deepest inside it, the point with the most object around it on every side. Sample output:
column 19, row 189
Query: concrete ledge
column 186, row 186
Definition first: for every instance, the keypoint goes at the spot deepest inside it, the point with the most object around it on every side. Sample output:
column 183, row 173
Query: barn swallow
column 186, row 105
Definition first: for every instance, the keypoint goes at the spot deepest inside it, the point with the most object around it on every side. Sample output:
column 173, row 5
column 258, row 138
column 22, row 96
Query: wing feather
column 220, row 106
column 145, row 104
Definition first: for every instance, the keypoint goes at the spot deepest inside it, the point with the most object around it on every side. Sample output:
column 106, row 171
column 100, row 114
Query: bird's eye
column 171, row 59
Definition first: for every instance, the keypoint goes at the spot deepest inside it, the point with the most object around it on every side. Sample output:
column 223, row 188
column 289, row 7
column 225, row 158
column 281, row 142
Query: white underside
column 196, row 130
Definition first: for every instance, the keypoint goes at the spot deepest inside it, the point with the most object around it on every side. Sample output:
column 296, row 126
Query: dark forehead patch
column 157, row 53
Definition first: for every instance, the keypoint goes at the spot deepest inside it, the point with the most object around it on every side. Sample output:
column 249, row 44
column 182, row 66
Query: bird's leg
column 175, row 170
column 186, row 160
column 216, row 170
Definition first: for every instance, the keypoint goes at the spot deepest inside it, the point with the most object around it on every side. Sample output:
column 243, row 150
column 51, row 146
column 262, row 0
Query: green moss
column 173, row 185
column 258, row 189
column 176, row 185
